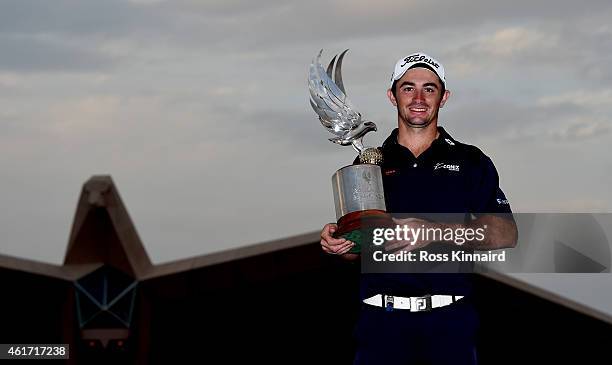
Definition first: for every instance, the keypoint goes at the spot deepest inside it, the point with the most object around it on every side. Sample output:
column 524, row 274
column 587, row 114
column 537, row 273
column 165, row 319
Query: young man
column 426, row 317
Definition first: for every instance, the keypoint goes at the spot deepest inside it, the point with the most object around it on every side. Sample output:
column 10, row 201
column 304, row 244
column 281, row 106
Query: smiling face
column 418, row 97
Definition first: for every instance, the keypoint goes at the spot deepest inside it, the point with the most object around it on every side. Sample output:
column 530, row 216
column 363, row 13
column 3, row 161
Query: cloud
column 86, row 115
column 549, row 118
column 27, row 53
column 508, row 42
column 88, row 35
column 581, row 98
column 72, row 17
column 582, row 130
column 550, row 50
column 272, row 24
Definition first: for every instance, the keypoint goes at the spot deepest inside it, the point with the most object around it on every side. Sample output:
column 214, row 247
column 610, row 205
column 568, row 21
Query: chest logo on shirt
column 446, row 166
column 390, row 172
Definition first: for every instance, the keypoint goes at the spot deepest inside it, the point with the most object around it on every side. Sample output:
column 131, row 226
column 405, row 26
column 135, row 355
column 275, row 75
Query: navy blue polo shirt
column 448, row 177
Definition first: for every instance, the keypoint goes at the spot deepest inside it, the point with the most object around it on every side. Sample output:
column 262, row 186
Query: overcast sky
column 199, row 109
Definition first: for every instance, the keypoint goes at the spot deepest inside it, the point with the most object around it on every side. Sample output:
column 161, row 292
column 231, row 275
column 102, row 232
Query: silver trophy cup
column 358, row 189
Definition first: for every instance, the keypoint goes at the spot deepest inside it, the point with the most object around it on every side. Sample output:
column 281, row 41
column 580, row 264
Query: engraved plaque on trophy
column 358, row 189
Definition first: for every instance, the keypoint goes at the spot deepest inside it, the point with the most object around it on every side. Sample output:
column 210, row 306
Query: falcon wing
column 328, row 98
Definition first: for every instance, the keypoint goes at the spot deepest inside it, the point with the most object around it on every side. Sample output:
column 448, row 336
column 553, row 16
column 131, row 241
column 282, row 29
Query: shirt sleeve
column 486, row 195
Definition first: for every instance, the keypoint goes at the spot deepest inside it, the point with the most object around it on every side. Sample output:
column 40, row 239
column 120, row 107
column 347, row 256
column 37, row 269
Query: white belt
column 415, row 304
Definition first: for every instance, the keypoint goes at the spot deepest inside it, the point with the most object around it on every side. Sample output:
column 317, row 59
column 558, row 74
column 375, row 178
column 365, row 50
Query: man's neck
column 417, row 140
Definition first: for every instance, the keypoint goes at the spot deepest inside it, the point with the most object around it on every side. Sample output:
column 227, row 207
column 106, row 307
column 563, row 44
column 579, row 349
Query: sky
column 199, row 109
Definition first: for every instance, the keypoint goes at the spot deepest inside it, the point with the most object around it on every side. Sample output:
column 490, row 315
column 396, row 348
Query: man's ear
column 444, row 97
column 391, row 97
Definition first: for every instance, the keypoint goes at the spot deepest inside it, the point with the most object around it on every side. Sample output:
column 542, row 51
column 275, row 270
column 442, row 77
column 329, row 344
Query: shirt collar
column 443, row 139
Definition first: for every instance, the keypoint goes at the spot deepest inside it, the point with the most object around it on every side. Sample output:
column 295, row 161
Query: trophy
column 358, row 189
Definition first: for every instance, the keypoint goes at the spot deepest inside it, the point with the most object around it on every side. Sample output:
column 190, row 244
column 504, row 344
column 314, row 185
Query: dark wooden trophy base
column 356, row 226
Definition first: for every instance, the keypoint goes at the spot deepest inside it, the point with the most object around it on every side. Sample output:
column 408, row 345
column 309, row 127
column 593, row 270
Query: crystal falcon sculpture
column 336, row 112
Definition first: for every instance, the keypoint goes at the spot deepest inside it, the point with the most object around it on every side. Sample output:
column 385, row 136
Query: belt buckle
column 421, row 304
column 388, row 302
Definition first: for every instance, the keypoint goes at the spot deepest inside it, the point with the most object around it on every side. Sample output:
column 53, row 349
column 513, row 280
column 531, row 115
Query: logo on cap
column 417, row 58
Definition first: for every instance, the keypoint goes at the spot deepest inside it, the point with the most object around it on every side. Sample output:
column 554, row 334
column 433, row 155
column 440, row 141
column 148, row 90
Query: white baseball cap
column 415, row 60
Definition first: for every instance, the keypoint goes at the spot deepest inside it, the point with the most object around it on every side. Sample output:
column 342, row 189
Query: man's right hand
column 331, row 245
